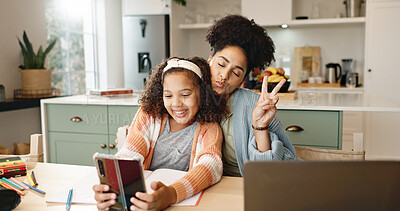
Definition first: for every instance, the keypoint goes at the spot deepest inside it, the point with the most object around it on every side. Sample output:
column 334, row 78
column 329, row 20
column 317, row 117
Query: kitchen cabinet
column 76, row 131
column 382, row 74
column 146, row 7
column 268, row 12
column 322, row 129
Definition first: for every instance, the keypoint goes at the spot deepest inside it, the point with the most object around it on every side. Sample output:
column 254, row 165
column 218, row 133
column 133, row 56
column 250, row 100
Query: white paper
column 168, row 177
column 83, row 192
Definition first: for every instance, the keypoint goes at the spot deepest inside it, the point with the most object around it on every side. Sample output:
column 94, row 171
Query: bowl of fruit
column 275, row 75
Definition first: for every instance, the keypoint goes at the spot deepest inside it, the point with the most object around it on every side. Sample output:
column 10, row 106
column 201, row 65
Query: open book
column 83, row 193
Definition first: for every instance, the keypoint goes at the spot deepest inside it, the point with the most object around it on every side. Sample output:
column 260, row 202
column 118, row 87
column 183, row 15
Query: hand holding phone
column 124, row 176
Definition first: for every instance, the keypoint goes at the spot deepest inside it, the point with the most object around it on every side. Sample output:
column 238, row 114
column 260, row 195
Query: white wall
column 109, row 43
column 15, row 17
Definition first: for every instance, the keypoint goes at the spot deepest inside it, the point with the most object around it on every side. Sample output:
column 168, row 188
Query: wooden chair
column 311, row 153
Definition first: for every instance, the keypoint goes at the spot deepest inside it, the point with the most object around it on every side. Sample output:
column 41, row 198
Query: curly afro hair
column 236, row 30
column 212, row 107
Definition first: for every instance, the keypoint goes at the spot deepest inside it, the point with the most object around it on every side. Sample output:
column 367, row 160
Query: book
column 104, row 92
column 83, row 193
column 12, row 166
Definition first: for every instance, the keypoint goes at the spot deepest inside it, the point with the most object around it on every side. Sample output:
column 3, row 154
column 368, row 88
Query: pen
column 6, row 185
column 12, row 183
column 35, row 189
column 68, row 205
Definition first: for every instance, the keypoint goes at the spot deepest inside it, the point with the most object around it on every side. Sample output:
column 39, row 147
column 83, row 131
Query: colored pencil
column 6, row 185
column 35, row 189
column 30, row 180
column 34, row 179
column 69, row 199
column 12, row 183
column 19, row 183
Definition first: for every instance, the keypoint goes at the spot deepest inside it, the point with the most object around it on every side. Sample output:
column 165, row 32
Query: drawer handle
column 76, row 119
column 103, row 146
column 112, row 146
column 294, row 128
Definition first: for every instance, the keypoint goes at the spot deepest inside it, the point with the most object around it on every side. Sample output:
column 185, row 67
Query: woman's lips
column 220, row 84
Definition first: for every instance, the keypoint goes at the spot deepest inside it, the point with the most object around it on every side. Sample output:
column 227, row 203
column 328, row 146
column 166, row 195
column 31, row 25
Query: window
column 74, row 55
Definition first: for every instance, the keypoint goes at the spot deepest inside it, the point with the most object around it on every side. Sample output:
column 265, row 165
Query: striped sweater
column 205, row 167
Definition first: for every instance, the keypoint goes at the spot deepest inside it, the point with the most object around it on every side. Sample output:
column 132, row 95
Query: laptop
column 318, row 185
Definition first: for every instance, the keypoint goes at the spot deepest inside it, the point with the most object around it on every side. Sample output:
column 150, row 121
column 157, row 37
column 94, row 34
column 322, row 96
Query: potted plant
column 36, row 79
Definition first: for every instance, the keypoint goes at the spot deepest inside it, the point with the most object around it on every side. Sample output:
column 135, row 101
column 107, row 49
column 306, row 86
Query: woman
column 251, row 130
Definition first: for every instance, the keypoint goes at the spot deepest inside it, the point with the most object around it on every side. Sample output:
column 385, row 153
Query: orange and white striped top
column 205, row 167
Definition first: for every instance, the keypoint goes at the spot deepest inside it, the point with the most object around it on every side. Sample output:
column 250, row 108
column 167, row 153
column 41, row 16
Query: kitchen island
column 75, row 127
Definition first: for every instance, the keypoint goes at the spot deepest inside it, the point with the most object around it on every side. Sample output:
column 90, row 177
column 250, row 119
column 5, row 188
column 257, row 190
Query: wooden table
column 226, row 195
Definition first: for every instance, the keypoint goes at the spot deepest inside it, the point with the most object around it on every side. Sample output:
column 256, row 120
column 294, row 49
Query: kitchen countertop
column 306, row 100
column 311, row 100
column 131, row 99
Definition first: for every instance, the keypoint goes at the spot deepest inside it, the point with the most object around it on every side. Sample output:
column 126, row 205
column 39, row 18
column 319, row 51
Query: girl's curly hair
column 212, row 107
column 236, row 30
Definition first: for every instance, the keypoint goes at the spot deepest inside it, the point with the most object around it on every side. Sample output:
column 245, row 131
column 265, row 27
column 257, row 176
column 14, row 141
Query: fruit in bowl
column 284, row 88
column 275, row 75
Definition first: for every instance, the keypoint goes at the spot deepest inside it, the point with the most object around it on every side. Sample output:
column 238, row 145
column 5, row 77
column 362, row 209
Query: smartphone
column 123, row 175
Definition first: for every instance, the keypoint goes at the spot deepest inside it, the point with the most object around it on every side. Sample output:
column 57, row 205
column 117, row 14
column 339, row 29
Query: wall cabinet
column 76, row 132
column 268, row 12
column 322, row 129
column 146, row 7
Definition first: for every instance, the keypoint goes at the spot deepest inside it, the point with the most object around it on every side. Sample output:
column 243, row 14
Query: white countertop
column 338, row 101
column 131, row 99
column 307, row 100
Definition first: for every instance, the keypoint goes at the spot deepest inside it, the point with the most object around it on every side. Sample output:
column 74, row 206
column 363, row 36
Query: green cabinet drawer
column 77, row 118
column 77, row 149
column 119, row 116
column 320, row 128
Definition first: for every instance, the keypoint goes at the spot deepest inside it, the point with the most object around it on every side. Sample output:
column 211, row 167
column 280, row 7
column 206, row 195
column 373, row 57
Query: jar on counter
column 2, row 93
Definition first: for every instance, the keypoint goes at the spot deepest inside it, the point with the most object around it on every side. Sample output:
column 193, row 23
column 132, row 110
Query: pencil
column 34, row 179
column 30, row 180
column 69, row 199
column 12, row 183
column 6, row 185
column 35, row 189
column 19, row 183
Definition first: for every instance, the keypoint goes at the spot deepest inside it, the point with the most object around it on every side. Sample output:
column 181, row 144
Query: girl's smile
column 181, row 99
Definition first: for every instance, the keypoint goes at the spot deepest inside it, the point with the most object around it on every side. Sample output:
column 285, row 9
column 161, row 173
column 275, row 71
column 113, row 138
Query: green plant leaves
column 32, row 60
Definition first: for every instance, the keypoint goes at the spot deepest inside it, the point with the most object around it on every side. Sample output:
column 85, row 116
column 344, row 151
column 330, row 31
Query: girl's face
column 181, row 98
column 228, row 68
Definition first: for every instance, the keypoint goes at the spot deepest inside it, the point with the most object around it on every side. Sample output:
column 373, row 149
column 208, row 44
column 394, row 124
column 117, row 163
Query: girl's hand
column 104, row 200
column 161, row 198
column 265, row 108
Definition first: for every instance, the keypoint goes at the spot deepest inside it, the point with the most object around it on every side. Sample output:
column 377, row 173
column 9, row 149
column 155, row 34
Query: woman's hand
column 265, row 108
column 263, row 113
column 104, row 200
column 161, row 198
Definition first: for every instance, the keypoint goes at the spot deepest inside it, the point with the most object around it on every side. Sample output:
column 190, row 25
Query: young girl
column 176, row 127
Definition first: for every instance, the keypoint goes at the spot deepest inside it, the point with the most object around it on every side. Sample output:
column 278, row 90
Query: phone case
column 124, row 176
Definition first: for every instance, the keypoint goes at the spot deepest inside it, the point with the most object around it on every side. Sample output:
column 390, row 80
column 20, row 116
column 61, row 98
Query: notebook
column 83, row 193
column 317, row 185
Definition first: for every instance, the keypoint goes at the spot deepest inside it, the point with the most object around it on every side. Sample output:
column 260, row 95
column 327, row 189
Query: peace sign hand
column 265, row 108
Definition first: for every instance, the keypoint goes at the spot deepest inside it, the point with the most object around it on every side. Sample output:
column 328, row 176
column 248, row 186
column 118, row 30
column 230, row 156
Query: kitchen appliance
column 347, row 65
column 333, row 73
column 353, row 7
column 145, row 44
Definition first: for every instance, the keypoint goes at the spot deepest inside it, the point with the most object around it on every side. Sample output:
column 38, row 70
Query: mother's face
column 228, row 68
